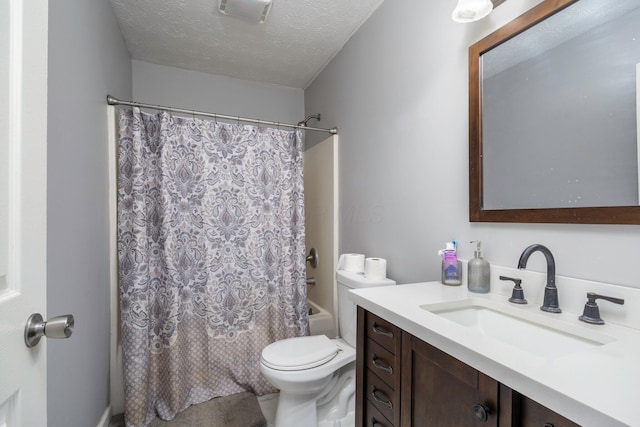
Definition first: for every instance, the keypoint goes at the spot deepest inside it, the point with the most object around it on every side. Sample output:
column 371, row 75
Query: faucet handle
column 591, row 313
column 517, row 295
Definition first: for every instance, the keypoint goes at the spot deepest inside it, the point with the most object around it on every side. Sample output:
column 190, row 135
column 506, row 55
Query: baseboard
column 106, row 417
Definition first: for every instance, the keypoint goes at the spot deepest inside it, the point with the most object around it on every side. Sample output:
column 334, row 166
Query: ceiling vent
column 254, row 11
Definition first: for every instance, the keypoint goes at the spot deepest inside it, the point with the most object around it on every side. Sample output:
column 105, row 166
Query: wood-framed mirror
column 550, row 140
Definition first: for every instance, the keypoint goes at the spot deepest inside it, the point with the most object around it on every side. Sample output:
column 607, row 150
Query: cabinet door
column 360, row 367
column 439, row 390
column 535, row 415
column 517, row 410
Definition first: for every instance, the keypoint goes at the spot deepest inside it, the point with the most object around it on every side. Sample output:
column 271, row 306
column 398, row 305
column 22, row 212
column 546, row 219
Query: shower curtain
column 211, row 256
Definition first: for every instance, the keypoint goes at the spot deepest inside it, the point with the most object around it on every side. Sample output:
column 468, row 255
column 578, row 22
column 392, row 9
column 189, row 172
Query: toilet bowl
column 315, row 374
column 306, row 370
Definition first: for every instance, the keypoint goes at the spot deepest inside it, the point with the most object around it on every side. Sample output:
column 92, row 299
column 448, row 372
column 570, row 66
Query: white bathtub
column 320, row 320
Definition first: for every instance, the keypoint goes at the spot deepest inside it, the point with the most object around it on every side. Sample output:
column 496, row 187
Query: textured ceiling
column 299, row 38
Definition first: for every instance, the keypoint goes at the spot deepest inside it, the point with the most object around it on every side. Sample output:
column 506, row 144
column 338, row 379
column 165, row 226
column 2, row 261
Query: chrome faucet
column 550, row 302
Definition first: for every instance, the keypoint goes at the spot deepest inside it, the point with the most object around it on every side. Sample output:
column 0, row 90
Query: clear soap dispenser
column 478, row 274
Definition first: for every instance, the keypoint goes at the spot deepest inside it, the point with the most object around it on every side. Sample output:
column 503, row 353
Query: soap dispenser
column 478, row 271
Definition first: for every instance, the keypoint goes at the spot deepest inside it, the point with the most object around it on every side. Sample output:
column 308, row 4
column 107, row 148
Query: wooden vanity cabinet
column 378, row 371
column 519, row 410
column 439, row 390
column 534, row 414
column 402, row 381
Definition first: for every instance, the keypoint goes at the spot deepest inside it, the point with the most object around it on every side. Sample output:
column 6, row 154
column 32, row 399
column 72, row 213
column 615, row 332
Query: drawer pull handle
column 381, row 331
column 387, row 368
column 375, row 423
column 379, row 397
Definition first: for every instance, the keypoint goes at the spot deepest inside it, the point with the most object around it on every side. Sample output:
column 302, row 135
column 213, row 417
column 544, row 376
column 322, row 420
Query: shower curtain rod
column 115, row 101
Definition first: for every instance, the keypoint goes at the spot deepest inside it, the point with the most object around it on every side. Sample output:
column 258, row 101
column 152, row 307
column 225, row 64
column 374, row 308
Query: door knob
column 57, row 327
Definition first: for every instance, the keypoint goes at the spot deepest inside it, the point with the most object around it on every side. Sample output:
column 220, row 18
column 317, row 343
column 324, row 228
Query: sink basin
column 534, row 333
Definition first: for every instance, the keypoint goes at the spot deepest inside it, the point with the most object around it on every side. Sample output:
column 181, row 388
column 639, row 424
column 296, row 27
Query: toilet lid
column 295, row 354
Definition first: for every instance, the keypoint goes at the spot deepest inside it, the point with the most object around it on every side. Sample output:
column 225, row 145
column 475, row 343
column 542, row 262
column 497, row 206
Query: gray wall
column 398, row 94
column 174, row 87
column 87, row 60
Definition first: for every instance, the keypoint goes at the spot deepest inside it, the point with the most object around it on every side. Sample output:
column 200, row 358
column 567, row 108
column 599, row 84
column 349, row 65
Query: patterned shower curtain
column 211, row 257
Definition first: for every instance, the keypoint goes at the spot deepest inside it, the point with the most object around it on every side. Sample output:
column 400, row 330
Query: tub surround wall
column 398, row 93
column 321, row 218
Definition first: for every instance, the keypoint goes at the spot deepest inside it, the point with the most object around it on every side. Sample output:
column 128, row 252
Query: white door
column 23, row 155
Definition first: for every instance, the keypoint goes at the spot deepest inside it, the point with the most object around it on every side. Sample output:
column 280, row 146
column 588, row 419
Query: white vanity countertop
column 595, row 387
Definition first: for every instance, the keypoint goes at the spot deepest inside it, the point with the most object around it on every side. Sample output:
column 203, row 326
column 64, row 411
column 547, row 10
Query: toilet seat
column 295, row 354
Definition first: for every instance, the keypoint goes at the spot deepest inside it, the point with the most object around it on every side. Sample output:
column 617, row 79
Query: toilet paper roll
column 351, row 262
column 375, row 268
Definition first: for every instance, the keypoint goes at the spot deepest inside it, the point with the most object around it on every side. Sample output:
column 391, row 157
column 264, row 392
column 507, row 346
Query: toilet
column 316, row 374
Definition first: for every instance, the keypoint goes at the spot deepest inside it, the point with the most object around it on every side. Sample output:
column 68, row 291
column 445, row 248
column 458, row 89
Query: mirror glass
column 558, row 111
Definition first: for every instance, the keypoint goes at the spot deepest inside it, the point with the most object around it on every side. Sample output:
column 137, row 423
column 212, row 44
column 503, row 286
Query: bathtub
column 320, row 320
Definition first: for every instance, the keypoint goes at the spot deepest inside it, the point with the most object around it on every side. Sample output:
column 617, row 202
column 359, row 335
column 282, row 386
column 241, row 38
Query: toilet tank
column 347, row 280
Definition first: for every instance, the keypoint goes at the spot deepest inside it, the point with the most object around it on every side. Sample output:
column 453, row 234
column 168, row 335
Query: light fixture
column 254, row 11
column 471, row 10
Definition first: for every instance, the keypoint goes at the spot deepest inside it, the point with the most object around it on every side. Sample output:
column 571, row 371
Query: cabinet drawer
column 383, row 363
column 384, row 333
column 534, row 414
column 383, row 397
column 373, row 417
